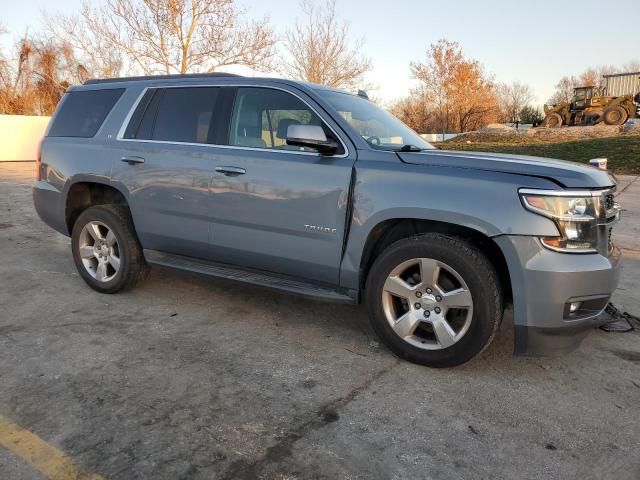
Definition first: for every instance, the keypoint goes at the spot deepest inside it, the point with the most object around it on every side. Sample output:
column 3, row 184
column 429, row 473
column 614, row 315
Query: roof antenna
column 363, row 94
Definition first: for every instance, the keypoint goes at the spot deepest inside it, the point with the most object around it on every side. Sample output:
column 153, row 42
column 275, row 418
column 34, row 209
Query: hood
column 567, row 174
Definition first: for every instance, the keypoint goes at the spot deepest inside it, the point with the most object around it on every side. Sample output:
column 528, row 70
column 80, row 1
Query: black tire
column 615, row 115
column 552, row 120
column 132, row 264
column 479, row 275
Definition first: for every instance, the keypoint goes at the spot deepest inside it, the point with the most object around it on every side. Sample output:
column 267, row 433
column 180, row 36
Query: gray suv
column 318, row 192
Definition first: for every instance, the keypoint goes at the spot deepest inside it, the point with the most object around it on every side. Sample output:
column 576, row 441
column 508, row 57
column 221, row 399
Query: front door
column 276, row 207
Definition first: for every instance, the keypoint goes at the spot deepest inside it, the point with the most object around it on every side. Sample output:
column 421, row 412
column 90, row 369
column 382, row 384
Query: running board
column 253, row 277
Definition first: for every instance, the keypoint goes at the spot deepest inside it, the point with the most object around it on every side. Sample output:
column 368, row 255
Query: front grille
column 611, row 216
column 609, row 201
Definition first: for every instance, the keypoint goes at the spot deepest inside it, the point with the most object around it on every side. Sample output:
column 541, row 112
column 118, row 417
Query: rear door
column 166, row 164
column 273, row 206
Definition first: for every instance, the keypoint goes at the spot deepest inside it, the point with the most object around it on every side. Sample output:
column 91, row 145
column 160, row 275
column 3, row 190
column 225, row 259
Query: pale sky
column 531, row 41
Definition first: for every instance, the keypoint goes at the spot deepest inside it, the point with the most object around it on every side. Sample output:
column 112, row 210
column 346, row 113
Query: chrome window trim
column 127, row 119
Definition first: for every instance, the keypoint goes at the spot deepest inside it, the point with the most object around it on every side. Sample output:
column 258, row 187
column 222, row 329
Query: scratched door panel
column 169, row 195
column 168, row 184
column 286, row 214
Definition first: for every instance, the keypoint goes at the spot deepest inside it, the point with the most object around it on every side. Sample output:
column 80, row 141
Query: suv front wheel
column 106, row 250
column 434, row 299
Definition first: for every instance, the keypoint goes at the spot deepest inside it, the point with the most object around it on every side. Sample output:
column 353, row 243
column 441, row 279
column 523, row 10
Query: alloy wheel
column 99, row 251
column 427, row 303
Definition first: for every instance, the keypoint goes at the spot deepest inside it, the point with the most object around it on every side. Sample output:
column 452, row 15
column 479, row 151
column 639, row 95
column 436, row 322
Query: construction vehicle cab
column 582, row 96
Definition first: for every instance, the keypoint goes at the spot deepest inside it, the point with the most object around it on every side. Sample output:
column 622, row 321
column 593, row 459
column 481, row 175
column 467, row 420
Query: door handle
column 231, row 171
column 132, row 160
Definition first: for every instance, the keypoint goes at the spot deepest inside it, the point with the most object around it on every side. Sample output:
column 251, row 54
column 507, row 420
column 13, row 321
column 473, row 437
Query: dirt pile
column 498, row 127
column 574, row 133
column 496, row 133
column 490, row 136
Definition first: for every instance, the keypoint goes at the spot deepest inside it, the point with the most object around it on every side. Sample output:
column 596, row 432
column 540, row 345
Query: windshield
column 378, row 127
column 580, row 94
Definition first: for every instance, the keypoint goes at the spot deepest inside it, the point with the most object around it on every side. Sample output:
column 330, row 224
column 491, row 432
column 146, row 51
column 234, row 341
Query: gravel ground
column 187, row 377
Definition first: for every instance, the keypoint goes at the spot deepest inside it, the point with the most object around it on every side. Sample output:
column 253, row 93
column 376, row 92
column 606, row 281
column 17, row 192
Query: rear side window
column 82, row 113
column 183, row 114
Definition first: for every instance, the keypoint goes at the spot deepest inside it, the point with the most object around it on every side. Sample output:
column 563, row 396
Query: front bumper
column 544, row 282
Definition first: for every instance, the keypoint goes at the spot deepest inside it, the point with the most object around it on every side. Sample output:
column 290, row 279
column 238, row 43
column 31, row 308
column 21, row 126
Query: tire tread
column 136, row 268
column 478, row 260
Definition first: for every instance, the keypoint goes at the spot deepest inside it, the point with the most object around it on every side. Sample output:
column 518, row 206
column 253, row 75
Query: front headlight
column 575, row 215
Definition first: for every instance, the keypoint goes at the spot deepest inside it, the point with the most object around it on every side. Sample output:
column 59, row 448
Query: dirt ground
column 502, row 133
column 188, row 377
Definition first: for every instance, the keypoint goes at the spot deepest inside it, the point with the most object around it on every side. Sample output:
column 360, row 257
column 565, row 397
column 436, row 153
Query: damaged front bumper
column 557, row 297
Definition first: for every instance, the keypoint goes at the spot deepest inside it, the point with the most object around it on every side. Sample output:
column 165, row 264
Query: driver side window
column 261, row 117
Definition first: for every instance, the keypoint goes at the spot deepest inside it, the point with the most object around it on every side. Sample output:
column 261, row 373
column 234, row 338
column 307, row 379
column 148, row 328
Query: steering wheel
column 374, row 140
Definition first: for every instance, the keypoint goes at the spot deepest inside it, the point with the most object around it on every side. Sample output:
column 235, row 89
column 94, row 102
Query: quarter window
column 82, row 113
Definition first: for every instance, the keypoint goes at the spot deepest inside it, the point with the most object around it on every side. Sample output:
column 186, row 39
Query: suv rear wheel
column 434, row 300
column 106, row 250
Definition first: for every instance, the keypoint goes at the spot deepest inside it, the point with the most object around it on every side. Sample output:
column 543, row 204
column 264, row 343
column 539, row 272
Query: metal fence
column 622, row 84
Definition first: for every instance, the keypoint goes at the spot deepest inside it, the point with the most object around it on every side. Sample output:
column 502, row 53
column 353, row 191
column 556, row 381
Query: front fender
column 484, row 201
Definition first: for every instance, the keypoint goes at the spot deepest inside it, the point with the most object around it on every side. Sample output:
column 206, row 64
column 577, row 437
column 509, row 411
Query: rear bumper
column 544, row 283
column 49, row 206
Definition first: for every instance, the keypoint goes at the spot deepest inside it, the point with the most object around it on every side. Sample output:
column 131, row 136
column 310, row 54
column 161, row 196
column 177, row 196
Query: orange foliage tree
column 33, row 80
column 454, row 94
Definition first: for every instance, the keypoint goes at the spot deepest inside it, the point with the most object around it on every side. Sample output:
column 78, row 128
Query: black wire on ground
column 621, row 322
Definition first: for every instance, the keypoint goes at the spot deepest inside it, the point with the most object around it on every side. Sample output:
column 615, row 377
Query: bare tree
column 595, row 76
column 631, row 67
column 564, row 90
column 168, row 36
column 5, row 78
column 321, row 51
column 513, row 98
column 97, row 55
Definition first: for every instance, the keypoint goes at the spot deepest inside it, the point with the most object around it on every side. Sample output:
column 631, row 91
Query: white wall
column 20, row 136
column 438, row 137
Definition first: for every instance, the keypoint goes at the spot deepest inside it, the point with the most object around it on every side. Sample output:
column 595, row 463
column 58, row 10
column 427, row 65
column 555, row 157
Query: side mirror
column 311, row 136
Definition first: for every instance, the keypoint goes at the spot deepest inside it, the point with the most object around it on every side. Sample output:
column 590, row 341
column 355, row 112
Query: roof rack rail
column 94, row 81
